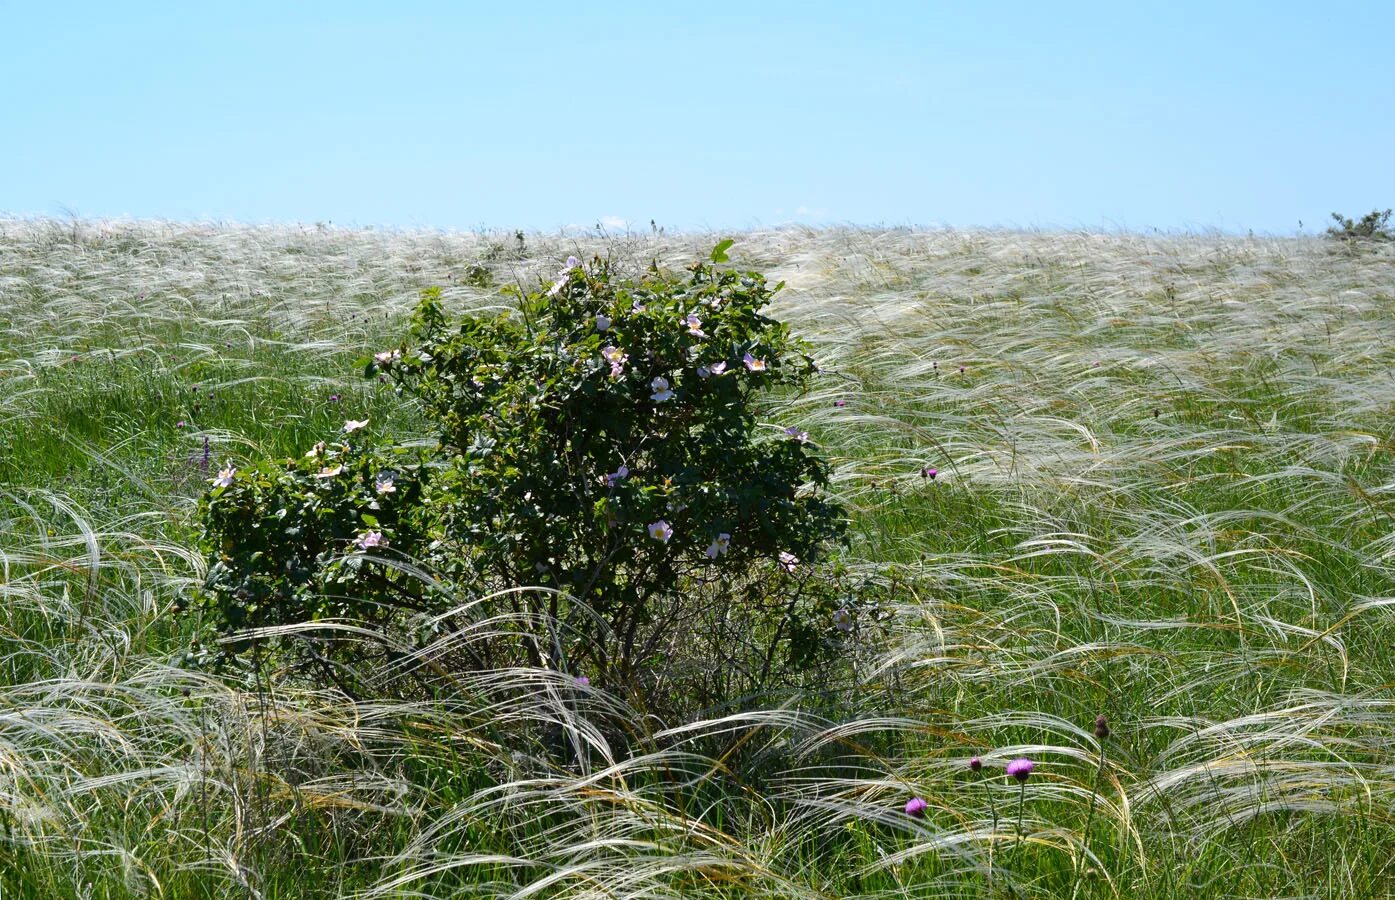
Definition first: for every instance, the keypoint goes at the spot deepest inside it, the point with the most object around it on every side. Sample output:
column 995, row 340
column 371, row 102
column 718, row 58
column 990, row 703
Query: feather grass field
column 1163, row 491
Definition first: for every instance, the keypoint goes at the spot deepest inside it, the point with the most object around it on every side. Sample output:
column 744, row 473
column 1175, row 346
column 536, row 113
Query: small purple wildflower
column 333, row 398
column 929, row 472
column 975, row 765
column 839, row 404
column 179, row 424
column 1020, row 768
column 915, row 807
column 583, row 681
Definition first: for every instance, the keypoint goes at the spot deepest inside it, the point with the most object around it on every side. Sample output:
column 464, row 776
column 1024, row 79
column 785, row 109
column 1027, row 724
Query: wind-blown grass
column 1164, row 493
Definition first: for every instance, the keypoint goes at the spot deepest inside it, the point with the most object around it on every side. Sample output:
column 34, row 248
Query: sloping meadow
column 1142, row 477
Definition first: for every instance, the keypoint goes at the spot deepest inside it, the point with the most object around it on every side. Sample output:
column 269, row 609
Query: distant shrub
column 477, row 275
column 1374, row 226
column 599, row 441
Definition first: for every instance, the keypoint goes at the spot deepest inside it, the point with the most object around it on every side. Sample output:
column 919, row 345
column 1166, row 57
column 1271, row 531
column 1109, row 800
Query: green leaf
column 719, row 252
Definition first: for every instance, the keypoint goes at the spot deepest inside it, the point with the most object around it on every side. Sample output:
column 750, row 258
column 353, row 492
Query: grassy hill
column 1164, row 493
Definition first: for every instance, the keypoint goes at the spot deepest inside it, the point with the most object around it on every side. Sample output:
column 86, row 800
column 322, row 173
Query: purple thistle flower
column 203, row 464
column 333, row 398
column 840, row 403
column 179, row 424
column 915, row 807
column 975, row 765
column 1020, row 768
column 929, row 472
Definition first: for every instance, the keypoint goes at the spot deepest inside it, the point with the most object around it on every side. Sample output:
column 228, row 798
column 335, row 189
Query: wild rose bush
column 600, row 442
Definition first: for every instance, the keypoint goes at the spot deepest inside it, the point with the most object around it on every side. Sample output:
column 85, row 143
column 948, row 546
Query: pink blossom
column 660, row 531
column 371, row 539
column 753, row 364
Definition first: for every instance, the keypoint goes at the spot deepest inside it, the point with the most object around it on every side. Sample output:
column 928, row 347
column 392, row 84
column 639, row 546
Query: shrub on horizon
column 1374, row 226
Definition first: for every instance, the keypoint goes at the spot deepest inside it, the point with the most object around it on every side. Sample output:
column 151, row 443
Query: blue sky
column 1172, row 115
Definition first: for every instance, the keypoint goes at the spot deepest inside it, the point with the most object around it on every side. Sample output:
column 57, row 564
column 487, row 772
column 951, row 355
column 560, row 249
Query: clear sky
column 1174, row 115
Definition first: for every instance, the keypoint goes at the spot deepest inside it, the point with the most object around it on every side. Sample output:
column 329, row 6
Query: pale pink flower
column 719, row 547
column 617, row 359
column 353, row 425
column 617, row 476
column 371, row 539
column 225, row 477
column 384, row 484
column 753, row 364
column 788, row 560
column 843, row 620
column 660, row 531
column 718, row 368
column 661, row 389
column 694, row 325
column 602, row 322
column 794, row 434
column 316, row 450
column 387, row 356
column 329, row 472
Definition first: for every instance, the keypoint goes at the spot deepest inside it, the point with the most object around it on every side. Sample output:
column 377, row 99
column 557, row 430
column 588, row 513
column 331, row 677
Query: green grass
column 1166, row 494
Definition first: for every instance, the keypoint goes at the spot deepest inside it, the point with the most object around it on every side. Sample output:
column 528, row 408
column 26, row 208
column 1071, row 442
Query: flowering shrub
column 600, row 441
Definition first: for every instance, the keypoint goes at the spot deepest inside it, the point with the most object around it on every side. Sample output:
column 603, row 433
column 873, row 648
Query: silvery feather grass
column 1164, row 493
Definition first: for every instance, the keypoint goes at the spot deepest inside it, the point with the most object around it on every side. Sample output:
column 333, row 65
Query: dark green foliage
column 599, row 442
